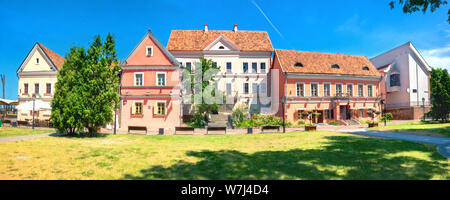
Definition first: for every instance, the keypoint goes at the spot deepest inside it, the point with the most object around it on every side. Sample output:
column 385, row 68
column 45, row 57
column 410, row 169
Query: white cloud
column 438, row 57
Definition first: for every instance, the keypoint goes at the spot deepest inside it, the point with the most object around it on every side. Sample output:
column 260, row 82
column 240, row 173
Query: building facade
column 150, row 87
column 405, row 82
column 338, row 87
column 244, row 59
column 37, row 76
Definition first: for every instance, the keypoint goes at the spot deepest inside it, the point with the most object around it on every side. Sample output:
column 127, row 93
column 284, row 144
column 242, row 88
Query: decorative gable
column 222, row 44
column 38, row 60
column 150, row 51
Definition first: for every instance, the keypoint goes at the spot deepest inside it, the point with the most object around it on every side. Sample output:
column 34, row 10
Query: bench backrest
column 137, row 128
column 184, row 128
column 217, row 128
column 270, row 127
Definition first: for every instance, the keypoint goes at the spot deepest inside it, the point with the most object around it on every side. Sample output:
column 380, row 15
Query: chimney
column 235, row 28
column 206, row 27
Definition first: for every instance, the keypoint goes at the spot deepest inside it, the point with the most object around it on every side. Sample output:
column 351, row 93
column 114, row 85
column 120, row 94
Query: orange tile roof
column 197, row 40
column 320, row 63
column 54, row 57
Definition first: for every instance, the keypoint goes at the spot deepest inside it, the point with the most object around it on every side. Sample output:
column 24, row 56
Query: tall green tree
column 86, row 92
column 410, row 6
column 440, row 94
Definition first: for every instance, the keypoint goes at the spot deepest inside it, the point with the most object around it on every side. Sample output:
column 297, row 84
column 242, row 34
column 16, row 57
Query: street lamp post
column 34, row 98
column 284, row 121
column 383, row 103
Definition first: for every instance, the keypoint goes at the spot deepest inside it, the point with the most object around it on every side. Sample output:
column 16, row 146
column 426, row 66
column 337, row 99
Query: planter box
column 373, row 125
column 249, row 130
column 310, row 128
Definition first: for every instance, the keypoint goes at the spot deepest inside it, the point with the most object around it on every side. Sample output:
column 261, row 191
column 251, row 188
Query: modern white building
column 405, row 82
column 244, row 58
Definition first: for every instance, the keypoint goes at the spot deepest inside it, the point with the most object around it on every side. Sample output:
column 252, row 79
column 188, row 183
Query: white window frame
column 136, row 73
column 265, row 67
column 368, row 90
column 296, row 88
column 353, row 89
column 146, row 51
column 310, row 89
column 323, row 85
column 362, row 89
column 335, row 88
column 165, row 78
column 38, row 61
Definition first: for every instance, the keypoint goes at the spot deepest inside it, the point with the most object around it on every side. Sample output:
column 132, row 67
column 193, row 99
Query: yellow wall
column 43, row 65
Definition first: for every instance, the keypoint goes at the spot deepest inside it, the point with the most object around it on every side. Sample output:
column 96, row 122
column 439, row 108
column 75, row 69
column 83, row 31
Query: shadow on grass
column 363, row 158
column 82, row 135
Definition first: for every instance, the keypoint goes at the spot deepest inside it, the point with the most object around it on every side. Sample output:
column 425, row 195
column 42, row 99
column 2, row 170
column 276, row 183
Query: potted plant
column 309, row 126
column 372, row 114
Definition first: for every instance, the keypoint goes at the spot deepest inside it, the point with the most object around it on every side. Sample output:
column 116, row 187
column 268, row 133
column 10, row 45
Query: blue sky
column 360, row 27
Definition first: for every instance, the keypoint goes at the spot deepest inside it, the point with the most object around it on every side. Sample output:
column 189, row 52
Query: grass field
column 313, row 155
column 10, row 132
column 419, row 127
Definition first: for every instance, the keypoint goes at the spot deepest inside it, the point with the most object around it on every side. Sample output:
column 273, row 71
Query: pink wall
column 140, row 58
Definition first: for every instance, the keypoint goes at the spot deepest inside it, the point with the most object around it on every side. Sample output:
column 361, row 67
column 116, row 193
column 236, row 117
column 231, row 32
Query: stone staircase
column 219, row 120
column 352, row 122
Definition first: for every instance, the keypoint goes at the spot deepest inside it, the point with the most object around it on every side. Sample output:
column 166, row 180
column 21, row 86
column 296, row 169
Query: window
column 37, row 60
column 245, row 67
column 49, row 88
column 298, row 64
column 221, row 47
column 335, row 66
column 338, row 89
column 395, row 80
column 329, row 114
column 350, row 89
column 36, row 88
column 214, row 64
column 138, row 108
column 161, row 109
column 263, row 88
column 188, row 66
column 25, row 88
column 255, row 88
column 161, row 79
column 300, row 114
column 138, row 79
column 365, row 68
column 361, row 90
column 414, row 90
column 300, row 90
column 314, row 90
column 369, row 91
column 229, row 67
column 229, row 90
column 149, row 51
column 263, row 67
column 361, row 112
column 326, row 90
column 254, row 67
column 245, row 88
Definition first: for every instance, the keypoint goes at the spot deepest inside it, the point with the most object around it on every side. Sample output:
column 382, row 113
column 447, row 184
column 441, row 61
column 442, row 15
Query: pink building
column 150, row 87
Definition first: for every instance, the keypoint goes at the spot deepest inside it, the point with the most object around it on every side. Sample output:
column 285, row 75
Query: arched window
column 298, row 64
column 335, row 66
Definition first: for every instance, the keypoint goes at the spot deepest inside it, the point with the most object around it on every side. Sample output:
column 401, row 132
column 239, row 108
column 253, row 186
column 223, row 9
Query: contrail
column 267, row 18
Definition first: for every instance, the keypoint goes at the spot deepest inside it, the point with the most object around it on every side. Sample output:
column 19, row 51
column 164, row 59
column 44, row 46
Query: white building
column 244, row 58
column 406, row 81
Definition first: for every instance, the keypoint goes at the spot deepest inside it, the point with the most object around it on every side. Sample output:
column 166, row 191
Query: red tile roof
column 197, row 40
column 54, row 57
column 320, row 63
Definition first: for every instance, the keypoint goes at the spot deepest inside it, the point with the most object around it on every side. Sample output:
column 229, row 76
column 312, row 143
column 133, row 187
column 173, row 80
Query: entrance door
column 343, row 112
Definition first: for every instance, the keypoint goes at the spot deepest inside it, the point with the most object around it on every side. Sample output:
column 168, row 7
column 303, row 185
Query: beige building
column 244, row 58
column 37, row 75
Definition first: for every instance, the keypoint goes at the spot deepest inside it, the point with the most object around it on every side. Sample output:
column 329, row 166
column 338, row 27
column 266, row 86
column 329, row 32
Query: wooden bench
column 137, row 128
column 270, row 128
column 6, row 121
column 216, row 129
column 184, row 129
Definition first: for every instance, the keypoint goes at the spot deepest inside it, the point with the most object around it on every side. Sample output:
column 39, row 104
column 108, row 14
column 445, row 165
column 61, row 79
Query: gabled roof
column 321, row 63
column 56, row 61
column 149, row 34
column 413, row 49
column 198, row 40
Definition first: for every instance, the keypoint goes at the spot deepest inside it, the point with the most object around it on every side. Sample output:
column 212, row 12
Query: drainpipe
column 284, row 100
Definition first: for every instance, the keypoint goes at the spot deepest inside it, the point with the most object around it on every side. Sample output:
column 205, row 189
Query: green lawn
column 10, row 132
column 313, row 155
column 418, row 127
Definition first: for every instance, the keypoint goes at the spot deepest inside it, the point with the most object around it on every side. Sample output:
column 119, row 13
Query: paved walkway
column 26, row 137
column 442, row 142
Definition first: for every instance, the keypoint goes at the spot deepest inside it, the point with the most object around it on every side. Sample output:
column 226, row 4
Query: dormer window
column 365, row 68
column 298, row 64
column 37, row 61
column 335, row 66
column 221, row 47
column 149, row 51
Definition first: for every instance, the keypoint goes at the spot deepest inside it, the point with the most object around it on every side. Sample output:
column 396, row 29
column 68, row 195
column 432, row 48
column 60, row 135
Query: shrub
column 334, row 123
column 388, row 117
